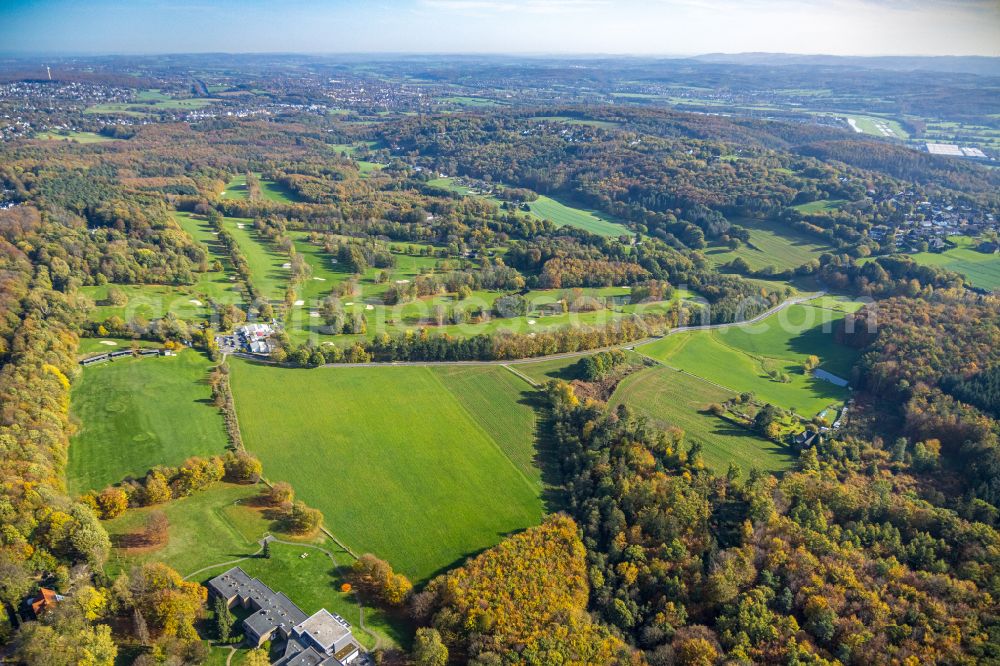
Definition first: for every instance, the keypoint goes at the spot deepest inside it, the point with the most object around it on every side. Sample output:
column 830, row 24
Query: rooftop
column 324, row 629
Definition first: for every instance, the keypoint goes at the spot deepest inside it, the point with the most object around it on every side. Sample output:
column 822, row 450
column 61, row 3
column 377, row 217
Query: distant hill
column 980, row 65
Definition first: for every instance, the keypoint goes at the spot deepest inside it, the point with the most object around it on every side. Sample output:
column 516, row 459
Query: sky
column 640, row 27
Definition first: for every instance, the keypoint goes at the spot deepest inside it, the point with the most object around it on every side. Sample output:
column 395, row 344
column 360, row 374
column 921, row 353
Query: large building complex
column 320, row 639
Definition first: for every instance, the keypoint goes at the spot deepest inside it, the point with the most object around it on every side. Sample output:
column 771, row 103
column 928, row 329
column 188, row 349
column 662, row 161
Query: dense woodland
column 880, row 547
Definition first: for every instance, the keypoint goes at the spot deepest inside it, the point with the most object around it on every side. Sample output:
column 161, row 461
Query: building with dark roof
column 321, row 639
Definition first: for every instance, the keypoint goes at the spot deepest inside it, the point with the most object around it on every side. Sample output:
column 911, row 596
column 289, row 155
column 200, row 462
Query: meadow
column 77, row 137
column 673, row 398
column 981, row 269
column 210, row 528
column 561, row 214
column 132, row 414
column 820, row 206
column 400, row 464
column 771, row 244
column 145, row 105
column 557, row 212
column 738, row 359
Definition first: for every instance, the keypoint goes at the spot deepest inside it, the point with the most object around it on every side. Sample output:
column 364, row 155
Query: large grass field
column 738, row 358
column 561, row 214
column 982, row 270
column 76, row 137
column 399, row 462
column 557, row 212
column 145, row 104
column 669, row 397
column 771, row 244
column 211, row 528
column 134, row 414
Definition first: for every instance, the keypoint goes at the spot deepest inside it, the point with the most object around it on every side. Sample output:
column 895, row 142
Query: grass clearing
column 133, row 414
column 981, row 269
column 771, row 244
column 671, row 398
column 395, row 461
column 75, row 137
column 738, row 358
column 561, row 214
column 820, row 206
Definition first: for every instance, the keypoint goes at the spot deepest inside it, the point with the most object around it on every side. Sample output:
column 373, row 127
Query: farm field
column 500, row 402
column 981, row 269
column 738, row 358
column 78, row 137
column 147, row 105
column 212, row 527
column 673, row 398
column 133, row 414
column 773, row 244
column 561, row 214
column 394, row 459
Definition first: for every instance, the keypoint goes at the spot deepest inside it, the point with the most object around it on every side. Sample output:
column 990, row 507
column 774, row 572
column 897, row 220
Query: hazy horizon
column 658, row 28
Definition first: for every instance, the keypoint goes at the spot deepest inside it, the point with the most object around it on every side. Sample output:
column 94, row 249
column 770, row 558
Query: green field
column 211, row 528
column 133, row 414
column 819, row 206
column 269, row 190
column 150, row 301
column 771, row 244
column 982, row 270
column 267, row 264
column 394, row 457
column 77, row 137
column 878, row 126
column 93, row 346
column 561, row 214
column 738, row 358
column 672, row 398
column 146, row 104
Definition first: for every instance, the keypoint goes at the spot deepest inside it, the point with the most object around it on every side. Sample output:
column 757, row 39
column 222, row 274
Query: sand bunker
column 110, row 343
column 300, row 302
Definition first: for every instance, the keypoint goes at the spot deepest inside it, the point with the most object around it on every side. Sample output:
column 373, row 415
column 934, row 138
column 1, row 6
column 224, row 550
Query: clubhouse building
column 320, row 639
